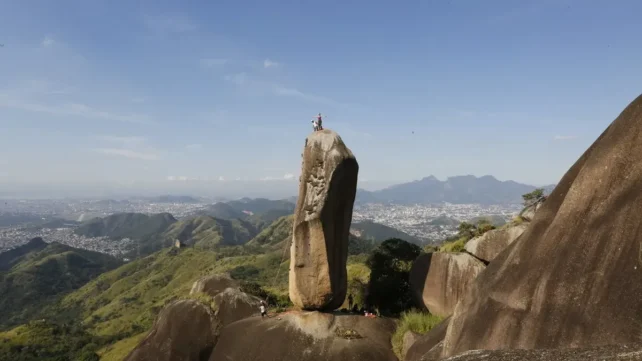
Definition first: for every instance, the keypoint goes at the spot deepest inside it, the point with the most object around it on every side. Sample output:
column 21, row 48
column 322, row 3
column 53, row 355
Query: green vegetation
column 44, row 341
column 466, row 232
column 124, row 302
column 358, row 279
column 112, row 309
column 135, row 226
column 415, row 321
column 469, row 231
column 275, row 234
column 495, row 220
column 119, row 350
column 9, row 258
column 41, row 277
column 454, row 246
column 533, row 197
column 357, row 245
column 430, row 248
column 281, row 301
column 222, row 210
column 207, row 232
column 260, row 212
column 376, row 232
column 389, row 286
column 517, row 220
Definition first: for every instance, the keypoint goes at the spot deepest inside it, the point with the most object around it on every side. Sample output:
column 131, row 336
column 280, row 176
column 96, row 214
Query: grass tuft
column 455, row 246
column 415, row 321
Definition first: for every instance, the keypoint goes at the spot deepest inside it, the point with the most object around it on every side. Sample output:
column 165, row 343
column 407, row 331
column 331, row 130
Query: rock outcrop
column 487, row 246
column 213, row 285
column 528, row 213
column 612, row 352
column 306, row 336
column 574, row 277
column 319, row 251
column 233, row 305
column 409, row 339
column 185, row 330
column 430, row 345
column 439, row 280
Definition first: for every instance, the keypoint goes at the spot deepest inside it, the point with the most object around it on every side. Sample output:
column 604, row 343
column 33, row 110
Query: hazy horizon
column 234, row 189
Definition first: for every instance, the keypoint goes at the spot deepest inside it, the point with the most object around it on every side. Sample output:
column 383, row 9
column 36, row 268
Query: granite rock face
column 307, row 336
column 487, row 246
column 574, row 277
column 185, row 330
column 321, row 227
column 439, row 280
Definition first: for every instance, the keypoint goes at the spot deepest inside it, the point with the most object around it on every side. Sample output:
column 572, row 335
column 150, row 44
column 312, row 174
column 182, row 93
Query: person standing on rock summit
column 317, row 123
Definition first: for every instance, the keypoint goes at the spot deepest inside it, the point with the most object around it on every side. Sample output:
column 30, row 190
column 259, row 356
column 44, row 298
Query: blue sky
column 162, row 91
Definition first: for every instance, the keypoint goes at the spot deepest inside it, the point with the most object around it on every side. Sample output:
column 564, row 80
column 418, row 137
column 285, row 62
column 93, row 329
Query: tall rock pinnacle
column 319, row 252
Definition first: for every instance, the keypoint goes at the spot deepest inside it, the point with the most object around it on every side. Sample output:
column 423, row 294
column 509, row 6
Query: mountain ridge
column 456, row 189
column 41, row 275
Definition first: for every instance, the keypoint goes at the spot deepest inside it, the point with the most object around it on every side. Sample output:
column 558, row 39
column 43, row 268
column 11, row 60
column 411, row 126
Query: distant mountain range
column 459, row 189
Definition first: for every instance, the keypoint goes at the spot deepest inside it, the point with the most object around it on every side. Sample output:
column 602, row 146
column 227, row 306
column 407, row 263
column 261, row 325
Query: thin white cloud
column 72, row 109
column 564, row 137
column 221, row 178
column 287, row 176
column 175, row 23
column 127, row 153
column 47, row 42
column 41, row 87
column 130, row 140
column 133, row 147
column 245, row 81
column 267, row 63
column 239, row 79
column 194, row 146
column 138, row 100
column 213, row 62
column 293, row 92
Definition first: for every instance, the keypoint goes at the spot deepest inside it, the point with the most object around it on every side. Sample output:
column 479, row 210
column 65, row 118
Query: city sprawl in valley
column 55, row 220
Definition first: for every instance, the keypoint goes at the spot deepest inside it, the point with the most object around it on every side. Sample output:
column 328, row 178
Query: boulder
column 185, row 330
column 528, row 213
column 409, row 339
column 574, row 277
column 439, row 280
column 233, row 305
column 213, row 285
column 306, row 336
column 319, row 251
column 428, row 346
column 487, row 246
column 600, row 353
